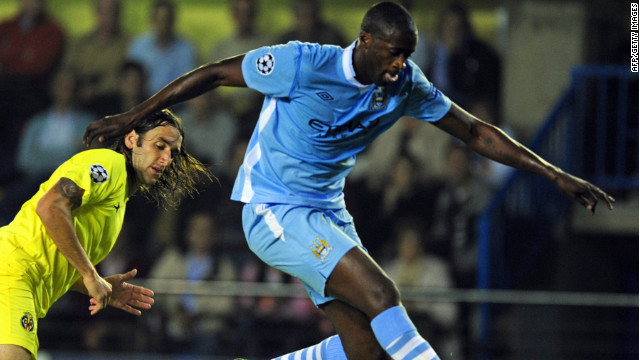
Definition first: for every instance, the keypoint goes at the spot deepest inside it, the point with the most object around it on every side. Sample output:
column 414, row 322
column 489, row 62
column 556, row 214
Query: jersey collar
column 347, row 67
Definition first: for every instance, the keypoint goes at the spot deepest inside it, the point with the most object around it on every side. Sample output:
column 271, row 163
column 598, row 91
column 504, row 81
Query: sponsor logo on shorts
column 321, row 248
column 27, row 321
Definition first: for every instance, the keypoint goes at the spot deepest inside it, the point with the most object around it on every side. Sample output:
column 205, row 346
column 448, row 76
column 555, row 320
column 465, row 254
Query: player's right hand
column 99, row 290
column 585, row 193
column 108, row 127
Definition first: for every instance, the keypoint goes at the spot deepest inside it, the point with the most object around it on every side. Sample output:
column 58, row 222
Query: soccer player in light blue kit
column 323, row 105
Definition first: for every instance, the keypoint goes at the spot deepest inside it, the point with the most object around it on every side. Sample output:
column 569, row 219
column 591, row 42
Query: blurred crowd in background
column 414, row 193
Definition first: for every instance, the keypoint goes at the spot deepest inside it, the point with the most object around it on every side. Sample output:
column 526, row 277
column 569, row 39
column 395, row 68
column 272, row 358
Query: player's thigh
column 18, row 323
column 13, row 352
column 354, row 329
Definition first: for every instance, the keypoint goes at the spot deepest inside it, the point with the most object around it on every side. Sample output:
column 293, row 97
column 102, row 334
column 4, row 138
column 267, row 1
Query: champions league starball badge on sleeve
column 265, row 64
column 98, row 173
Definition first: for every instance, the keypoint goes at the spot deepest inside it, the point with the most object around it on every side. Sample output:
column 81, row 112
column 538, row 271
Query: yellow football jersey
column 102, row 174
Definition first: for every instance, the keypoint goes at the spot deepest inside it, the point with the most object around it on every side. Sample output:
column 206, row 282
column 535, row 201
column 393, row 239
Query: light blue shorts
column 304, row 242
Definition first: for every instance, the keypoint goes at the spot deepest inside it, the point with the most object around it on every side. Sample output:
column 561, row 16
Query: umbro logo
column 117, row 207
column 324, row 95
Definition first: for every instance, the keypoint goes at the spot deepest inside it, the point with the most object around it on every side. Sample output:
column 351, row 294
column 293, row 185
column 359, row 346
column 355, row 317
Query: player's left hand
column 584, row 192
column 128, row 297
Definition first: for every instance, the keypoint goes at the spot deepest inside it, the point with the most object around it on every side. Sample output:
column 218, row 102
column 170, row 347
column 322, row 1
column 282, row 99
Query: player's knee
column 383, row 295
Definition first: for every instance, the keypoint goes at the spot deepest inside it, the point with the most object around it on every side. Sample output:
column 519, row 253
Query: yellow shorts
column 18, row 320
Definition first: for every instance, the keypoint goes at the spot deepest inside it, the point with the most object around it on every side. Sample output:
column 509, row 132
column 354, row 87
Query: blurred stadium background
column 553, row 282
column 207, row 21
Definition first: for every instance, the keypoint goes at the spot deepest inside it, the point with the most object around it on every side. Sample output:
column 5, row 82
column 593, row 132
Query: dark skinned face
column 381, row 59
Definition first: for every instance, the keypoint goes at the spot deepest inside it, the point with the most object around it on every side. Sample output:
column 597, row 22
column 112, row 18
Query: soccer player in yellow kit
column 72, row 222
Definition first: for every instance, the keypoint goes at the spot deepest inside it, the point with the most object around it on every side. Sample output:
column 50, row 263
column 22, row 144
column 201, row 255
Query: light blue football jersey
column 316, row 117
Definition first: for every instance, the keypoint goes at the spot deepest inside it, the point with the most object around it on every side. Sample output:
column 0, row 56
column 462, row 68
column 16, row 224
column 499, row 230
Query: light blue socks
column 398, row 336
column 395, row 332
column 329, row 349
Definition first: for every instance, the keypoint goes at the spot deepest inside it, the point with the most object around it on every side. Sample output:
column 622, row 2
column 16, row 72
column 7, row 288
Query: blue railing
column 608, row 96
column 592, row 132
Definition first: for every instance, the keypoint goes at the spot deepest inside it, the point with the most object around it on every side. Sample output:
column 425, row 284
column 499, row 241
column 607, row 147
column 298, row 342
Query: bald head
column 387, row 20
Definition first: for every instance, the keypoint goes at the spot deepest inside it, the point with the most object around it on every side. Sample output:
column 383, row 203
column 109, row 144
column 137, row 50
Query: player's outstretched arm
column 227, row 72
column 494, row 144
column 54, row 209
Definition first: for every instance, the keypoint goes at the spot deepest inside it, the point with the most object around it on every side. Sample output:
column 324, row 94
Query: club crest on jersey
column 27, row 321
column 265, row 64
column 321, row 248
column 98, row 173
column 379, row 99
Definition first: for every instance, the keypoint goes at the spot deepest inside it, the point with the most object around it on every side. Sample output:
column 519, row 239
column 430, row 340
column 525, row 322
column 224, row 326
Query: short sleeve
column 426, row 102
column 100, row 173
column 272, row 70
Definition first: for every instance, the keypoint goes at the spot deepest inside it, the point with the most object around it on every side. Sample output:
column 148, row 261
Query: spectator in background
column 98, row 56
column 163, row 54
column 123, row 255
column 310, row 26
column 50, row 138
column 132, row 88
column 195, row 324
column 31, row 46
column 400, row 186
column 208, row 124
column 404, row 193
column 453, row 232
column 411, row 157
column 106, row 333
column 229, row 212
column 244, row 103
column 412, row 266
column 246, row 35
column 424, row 144
column 457, row 205
column 464, row 67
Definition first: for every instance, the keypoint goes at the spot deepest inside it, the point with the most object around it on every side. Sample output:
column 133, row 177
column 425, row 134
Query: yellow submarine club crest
column 320, row 248
column 27, row 321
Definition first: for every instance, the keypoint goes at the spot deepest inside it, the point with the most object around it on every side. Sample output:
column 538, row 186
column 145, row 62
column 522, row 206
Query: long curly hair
column 180, row 178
